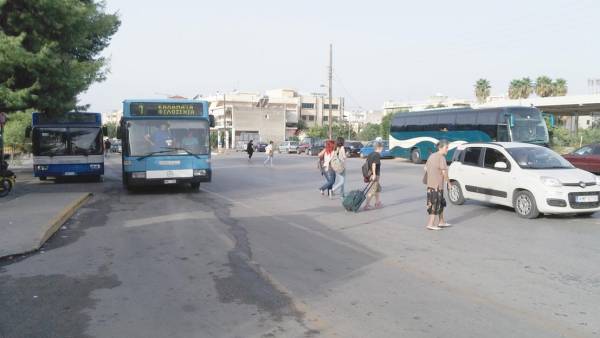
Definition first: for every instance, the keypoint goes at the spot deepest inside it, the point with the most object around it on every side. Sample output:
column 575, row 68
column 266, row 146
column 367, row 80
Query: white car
column 529, row 178
column 288, row 147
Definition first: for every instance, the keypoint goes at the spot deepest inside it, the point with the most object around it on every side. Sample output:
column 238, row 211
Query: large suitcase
column 355, row 198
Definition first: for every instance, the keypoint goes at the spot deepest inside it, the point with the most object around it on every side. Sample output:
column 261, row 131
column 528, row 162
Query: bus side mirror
column 105, row 130
column 119, row 131
column 511, row 121
column 28, row 132
column 211, row 121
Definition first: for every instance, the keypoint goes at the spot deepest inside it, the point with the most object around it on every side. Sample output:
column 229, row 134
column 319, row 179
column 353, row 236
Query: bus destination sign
column 165, row 109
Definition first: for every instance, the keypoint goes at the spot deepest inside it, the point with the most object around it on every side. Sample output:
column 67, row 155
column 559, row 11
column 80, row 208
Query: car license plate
column 586, row 199
column 69, row 173
column 170, row 181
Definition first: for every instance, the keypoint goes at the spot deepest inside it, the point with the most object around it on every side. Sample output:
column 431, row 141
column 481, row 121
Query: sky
column 382, row 50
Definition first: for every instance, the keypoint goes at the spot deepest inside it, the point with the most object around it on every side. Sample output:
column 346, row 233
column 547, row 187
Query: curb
column 60, row 219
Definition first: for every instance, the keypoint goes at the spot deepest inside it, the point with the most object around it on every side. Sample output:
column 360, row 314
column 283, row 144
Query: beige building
column 112, row 117
column 272, row 116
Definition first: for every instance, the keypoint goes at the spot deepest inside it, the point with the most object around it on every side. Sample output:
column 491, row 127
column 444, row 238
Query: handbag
column 337, row 164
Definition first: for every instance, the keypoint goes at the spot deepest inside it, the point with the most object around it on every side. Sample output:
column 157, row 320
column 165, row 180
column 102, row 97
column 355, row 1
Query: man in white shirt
column 269, row 150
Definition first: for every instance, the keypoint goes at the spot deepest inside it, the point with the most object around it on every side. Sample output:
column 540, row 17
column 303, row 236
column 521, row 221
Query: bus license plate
column 70, row 173
column 586, row 199
column 170, row 181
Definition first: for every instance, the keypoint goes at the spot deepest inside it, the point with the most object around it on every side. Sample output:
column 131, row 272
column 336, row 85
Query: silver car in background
column 288, row 147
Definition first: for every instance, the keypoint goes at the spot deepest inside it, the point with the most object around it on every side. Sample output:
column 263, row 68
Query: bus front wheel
column 195, row 185
column 415, row 156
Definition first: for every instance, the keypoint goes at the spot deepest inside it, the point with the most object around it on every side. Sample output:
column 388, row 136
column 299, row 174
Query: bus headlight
column 95, row 166
column 200, row 172
column 139, row 174
column 41, row 167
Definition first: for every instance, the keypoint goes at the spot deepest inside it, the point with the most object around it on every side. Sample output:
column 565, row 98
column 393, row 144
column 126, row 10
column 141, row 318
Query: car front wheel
column 525, row 205
column 455, row 194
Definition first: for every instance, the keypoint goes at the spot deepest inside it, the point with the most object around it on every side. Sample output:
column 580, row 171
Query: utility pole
column 330, row 90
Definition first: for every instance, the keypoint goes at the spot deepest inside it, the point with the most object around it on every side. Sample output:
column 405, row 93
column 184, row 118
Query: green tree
column 318, row 132
column 343, row 130
column 513, row 89
column 544, row 86
column 111, row 129
column 482, row 90
column 14, row 130
column 559, row 87
column 384, row 127
column 49, row 52
column 369, row 132
column 526, row 88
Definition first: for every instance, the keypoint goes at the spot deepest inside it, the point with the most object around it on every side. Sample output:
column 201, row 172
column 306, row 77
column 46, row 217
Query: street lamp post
column 330, row 90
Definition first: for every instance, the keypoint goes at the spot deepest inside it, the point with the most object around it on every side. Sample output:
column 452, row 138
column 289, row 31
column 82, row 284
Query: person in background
column 189, row 141
column 160, row 138
column 250, row 150
column 327, row 154
column 340, row 157
column 269, row 151
column 437, row 175
column 374, row 162
column 107, row 146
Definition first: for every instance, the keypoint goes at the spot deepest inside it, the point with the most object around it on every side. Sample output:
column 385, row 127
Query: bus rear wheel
column 195, row 186
column 415, row 156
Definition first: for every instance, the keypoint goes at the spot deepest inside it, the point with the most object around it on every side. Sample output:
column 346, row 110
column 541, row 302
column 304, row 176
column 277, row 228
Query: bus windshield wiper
column 182, row 149
column 153, row 153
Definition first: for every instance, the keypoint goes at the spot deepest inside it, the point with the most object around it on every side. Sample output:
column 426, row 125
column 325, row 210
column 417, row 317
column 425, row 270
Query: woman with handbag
column 327, row 155
column 338, row 163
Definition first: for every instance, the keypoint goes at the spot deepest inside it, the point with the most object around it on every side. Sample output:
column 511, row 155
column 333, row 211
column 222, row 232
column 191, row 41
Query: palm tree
column 559, row 87
column 513, row 89
column 482, row 90
column 544, row 86
column 526, row 88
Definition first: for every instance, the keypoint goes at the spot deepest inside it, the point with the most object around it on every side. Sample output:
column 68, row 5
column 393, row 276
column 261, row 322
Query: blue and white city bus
column 68, row 144
column 165, row 142
column 414, row 135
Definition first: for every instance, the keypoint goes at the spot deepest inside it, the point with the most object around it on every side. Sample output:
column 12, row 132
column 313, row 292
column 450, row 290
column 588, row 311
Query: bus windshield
column 528, row 126
column 168, row 137
column 49, row 141
column 85, row 141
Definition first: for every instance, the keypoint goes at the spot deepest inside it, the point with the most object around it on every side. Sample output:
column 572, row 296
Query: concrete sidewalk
column 28, row 221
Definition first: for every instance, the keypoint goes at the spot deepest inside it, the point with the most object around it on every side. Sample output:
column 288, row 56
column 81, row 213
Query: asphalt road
column 260, row 253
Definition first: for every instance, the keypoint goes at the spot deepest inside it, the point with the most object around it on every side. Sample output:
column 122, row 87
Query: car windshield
column 528, row 126
column 538, row 158
column 169, row 137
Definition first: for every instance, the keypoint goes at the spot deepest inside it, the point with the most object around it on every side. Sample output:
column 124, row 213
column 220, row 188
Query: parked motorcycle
column 7, row 178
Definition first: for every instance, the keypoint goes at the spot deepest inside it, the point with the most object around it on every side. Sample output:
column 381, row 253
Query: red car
column 586, row 158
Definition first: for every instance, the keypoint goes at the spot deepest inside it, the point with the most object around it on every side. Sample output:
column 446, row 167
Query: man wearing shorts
column 437, row 175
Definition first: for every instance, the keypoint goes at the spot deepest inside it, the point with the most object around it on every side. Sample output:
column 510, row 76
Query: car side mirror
column 211, row 121
column 500, row 165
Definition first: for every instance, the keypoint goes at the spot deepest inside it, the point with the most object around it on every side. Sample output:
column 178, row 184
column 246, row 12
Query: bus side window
column 466, row 120
column 446, row 121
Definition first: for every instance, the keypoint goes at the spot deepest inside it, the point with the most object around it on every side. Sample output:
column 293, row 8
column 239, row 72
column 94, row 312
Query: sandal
column 378, row 205
column 433, row 227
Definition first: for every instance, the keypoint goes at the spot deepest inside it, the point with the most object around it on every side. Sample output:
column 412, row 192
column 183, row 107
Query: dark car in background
column 261, row 147
column 353, row 148
column 306, row 144
column 586, row 158
column 315, row 148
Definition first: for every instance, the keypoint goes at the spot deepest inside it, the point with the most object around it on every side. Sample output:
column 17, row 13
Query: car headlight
column 551, row 181
column 199, row 172
column 41, row 167
column 95, row 166
column 139, row 174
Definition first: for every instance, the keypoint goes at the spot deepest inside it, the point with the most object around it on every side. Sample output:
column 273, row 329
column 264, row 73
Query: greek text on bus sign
column 166, row 109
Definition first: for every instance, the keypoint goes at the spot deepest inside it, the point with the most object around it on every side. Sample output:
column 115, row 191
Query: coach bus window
column 466, row 121
column 86, row 141
column 529, row 126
